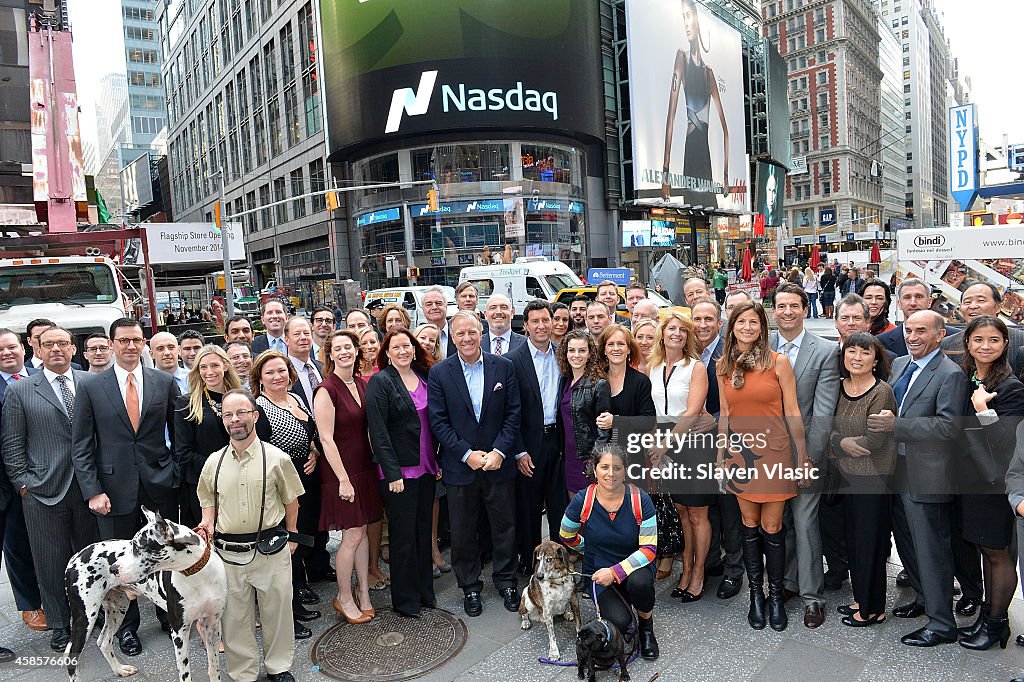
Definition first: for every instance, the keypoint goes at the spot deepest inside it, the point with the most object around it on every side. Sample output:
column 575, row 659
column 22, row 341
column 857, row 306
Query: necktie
column 314, row 380
column 787, row 348
column 443, row 342
column 131, row 399
column 69, row 398
column 899, row 389
column 15, row 377
column 497, row 345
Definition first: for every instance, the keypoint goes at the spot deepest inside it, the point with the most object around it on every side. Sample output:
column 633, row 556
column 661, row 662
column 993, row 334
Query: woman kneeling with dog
column 620, row 525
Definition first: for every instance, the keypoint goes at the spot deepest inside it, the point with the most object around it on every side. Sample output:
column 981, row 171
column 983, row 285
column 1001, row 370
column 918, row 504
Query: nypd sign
column 963, row 155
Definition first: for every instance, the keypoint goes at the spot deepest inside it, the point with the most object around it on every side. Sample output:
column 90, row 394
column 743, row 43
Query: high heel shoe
column 362, row 618
column 853, row 622
column 371, row 612
column 993, row 630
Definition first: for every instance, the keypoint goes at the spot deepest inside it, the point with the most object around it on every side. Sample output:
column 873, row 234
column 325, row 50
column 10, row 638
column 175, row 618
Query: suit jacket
column 515, row 341
column 109, row 457
column 260, row 344
column 929, row 427
column 712, row 404
column 393, row 423
column 1014, row 476
column 29, row 371
column 455, row 425
column 990, row 445
column 531, row 435
column 297, row 386
column 817, row 389
column 953, row 346
column 894, row 341
column 37, row 438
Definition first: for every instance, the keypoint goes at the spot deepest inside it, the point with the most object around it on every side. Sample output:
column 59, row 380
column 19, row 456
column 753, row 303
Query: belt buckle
column 550, row 428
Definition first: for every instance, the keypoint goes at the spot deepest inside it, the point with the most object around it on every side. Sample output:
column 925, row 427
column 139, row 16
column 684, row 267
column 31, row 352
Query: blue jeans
column 812, row 305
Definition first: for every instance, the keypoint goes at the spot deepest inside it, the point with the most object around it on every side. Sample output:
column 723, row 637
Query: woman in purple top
column 406, row 455
column 584, row 394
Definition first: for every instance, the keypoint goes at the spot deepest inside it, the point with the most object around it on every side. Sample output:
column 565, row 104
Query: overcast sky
column 98, row 50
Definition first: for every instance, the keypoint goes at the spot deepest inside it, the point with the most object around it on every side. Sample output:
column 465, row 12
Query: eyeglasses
column 130, row 342
column 97, row 349
column 49, row 345
column 323, row 320
column 241, row 414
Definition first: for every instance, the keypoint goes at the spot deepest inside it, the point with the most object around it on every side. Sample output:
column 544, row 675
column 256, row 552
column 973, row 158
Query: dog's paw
column 554, row 654
column 126, row 670
column 526, row 624
column 568, row 615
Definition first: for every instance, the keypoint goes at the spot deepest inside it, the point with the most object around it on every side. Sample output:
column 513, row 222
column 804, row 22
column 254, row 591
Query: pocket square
column 497, row 387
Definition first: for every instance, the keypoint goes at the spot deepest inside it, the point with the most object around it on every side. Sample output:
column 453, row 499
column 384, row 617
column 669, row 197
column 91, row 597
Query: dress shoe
column 649, row 648
column 729, row 587
column 686, row 597
column 305, row 615
column 1016, row 679
column 846, row 609
column 35, row 620
column 280, row 677
column 853, row 622
column 911, row 610
column 129, row 643
column 926, row 637
column 1020, row 640
column 510, row 598
column 308, row 596
column 363, row 616
column 59, row 638
column 6, row 655
column 834, row 580
column 902, row 579
column 714, row 571
column 436, row 573
column 472, row 605
column 967, row 606
column 814, row 616
column 301, row 631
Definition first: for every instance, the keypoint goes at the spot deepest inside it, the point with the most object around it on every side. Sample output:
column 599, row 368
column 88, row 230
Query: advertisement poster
column 636, row 233
column 686, row 89
column 515, row 219
column 771, row 185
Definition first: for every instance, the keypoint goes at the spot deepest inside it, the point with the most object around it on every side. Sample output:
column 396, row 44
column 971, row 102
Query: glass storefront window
column 452, row 163
column 550, row 163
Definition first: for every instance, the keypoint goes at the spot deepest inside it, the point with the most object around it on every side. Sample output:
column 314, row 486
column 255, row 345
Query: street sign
column 963, row 155
column 618, row 275
column 956, row 219
column 391, row 267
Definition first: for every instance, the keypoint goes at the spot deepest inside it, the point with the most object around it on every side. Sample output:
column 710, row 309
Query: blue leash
column 634, row 628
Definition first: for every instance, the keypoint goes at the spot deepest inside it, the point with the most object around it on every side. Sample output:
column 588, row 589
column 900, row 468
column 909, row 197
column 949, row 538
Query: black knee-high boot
column 753, row 560
column 775, row 565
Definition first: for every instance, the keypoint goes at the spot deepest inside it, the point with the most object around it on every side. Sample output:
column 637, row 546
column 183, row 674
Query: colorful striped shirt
column 610, row 537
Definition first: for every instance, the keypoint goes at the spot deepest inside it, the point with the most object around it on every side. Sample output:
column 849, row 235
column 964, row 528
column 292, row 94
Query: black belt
column 240, row 547
column 550, row 428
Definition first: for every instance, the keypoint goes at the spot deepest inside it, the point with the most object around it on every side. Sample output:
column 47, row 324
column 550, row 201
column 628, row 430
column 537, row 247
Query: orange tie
column 131, row 398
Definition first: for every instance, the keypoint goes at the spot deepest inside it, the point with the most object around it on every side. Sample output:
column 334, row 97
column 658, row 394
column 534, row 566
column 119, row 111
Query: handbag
column 670, row 530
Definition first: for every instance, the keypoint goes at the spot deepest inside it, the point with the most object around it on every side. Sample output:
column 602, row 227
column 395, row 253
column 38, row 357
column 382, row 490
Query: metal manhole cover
column 389, row 647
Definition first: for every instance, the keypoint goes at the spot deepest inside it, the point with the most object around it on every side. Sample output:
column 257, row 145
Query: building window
column 245, row 146
column 280, row 211
column 298, row 181
column 822, row 77
column 819, row 35
column 826, row 188
column 479, row 162
column 259, row 130
column 550, row 164
column 910, row 156
column 291, row 113
column 265, row 213
column 317, row 183
column 274, row 126
column 904, row 21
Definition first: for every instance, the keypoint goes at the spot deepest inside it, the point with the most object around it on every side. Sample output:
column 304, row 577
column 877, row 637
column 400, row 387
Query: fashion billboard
column 771, row 186
column 687, row 112
column 778, row 105
column 402, row 68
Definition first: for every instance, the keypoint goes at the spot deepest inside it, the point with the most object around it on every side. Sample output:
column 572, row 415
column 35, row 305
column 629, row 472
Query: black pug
column 599, row 646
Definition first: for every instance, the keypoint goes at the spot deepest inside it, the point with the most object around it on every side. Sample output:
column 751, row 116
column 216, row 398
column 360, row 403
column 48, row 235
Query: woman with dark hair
column 560, row 321
column 339, row 405
column 995, row 408
column 286, row 423
column 584, row 396
column 866, row 460
column 876, row 294
column 699, row 85
column 619, row 524
column 827, row 285
column 759, row 411
column 406, row 456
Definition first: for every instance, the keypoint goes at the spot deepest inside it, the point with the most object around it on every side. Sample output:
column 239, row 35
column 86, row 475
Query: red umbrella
column 747, row 273
column 815, row 258
column 876, row 255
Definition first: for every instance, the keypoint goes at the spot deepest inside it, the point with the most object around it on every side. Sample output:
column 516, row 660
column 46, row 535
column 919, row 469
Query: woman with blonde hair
column 644, row 331
column 393, row 316
column 198, row 428
column 369, row 346
column 428, row 334
column 811, row 288
column 679, row 387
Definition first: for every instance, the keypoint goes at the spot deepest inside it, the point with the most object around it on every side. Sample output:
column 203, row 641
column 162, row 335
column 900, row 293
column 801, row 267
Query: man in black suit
column 541, row 480
column 930, row 391
column 499, row 338
column 6, row 495
column 912, row 295
column 725, row 555
column 475, row 415
column 273, row 315
column 119, row 448
column 298, row 339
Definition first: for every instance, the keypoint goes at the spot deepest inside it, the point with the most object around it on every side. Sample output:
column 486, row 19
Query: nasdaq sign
column 963, row 155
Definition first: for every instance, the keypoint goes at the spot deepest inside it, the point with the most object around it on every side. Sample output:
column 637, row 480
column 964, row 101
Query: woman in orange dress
column 757, row 391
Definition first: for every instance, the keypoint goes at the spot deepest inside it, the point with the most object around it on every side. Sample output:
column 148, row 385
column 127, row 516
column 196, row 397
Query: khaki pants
column 271, row 578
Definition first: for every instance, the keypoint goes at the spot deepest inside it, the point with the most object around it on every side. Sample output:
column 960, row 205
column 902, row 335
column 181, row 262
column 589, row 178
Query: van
column 528, row 278
column 410, row 298
column 665, row 306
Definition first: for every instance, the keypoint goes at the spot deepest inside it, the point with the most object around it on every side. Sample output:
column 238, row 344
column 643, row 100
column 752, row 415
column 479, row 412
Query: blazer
column 712, row 403
column 989, row 446
column 260, row 344
column 194, row 442
column 953, row 346
column 589, row 399
column 817, row 389
column 29, row 371
column 37, row 438
column 297, row 386
column 894, row 341
column 531, row 435
column 515, row 341
column 929, row 427
column 109, row 457
column 455, row 425
column 1014, row 475
column 393, row 422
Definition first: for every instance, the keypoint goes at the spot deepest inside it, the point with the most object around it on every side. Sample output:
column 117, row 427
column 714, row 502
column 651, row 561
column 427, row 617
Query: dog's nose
column 113, row 569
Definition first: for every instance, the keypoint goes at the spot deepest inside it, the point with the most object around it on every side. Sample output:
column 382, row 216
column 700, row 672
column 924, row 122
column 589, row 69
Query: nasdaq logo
column 413, row 103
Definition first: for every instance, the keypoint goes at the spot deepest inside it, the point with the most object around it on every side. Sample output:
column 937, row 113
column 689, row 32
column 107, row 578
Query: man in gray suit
column 1015, row 492
column 119, row 448
column 499, row 339
column 816, row 368
column 36, row 445
column 930, row 391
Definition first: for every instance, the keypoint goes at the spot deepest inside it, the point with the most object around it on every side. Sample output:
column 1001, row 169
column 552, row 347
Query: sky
column 98, row 50
column 982, row 35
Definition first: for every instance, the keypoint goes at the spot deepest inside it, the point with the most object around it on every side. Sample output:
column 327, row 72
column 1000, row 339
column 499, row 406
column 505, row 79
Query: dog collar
column 607, row 632
column 199, row 565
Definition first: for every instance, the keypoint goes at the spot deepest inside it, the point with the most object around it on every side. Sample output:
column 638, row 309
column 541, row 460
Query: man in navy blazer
column 474, row 413
column 912, row 295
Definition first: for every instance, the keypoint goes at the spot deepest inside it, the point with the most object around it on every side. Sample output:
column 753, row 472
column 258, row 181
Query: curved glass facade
column 524, row 194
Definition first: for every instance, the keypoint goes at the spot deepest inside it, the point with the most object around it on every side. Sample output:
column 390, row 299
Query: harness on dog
column 201, row 564
column 591, row 498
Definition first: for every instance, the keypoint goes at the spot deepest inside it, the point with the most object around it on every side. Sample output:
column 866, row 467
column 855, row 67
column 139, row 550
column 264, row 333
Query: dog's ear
column 185, row 536
column 151, row 517
column 563, row 555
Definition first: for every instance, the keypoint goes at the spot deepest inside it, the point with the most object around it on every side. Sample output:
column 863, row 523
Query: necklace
column 215, row 406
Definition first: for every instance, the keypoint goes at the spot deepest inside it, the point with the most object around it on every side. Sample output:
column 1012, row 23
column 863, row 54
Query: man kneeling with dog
column 252, row 486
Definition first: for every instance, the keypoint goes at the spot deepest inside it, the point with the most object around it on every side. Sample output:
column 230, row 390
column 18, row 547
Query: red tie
column 16, row 377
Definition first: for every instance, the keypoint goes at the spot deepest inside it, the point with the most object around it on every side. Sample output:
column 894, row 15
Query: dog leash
column 597, row 608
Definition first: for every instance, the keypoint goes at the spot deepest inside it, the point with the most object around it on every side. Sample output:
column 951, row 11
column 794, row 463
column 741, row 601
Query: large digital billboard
column 687, row 113
column 778, row 105
column 771, row 185
column 403, row 68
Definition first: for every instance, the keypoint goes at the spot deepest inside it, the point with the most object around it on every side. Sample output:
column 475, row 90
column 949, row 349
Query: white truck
column 528, row 278
column 80, row 293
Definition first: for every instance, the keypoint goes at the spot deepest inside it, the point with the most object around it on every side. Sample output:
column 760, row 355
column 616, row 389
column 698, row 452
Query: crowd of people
column 464, row 429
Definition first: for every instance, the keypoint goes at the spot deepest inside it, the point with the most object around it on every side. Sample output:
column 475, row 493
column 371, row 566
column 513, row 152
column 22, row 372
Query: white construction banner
column 192, row 242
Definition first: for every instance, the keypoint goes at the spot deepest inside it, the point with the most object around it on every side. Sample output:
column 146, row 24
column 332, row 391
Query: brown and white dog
column 551, row 592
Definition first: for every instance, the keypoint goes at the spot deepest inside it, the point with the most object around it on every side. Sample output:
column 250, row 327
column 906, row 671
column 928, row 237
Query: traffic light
column 216, row 214
column 332, row 201
column 412, row 272
column 432, row 199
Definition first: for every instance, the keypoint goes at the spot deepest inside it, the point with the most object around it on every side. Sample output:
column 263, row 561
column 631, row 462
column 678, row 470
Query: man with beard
column 578, row 311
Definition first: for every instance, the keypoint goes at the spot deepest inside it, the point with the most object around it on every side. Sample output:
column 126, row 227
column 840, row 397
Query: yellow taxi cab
column 664, row 305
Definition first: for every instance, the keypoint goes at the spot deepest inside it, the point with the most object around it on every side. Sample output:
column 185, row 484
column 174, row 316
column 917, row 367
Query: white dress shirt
column 300, row 368
column 51, row 378
column 794, row 349
column 122, row 383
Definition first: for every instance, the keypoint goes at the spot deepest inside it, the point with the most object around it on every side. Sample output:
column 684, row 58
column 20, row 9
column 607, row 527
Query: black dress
column 193, row 443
